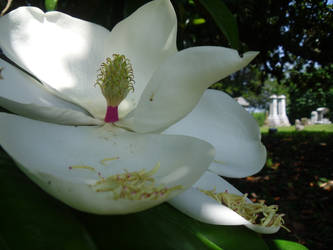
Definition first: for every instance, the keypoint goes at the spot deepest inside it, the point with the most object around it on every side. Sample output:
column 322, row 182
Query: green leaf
column 50, row 4
column 31, row 220
column 198, row 21
column 224, row 20
column 285, row 245
column 164, row 227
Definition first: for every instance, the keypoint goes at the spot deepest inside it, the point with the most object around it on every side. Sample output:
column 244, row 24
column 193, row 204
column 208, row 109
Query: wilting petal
column 176, row 87
column 234, row 133
column 23, row 95
column 70, row 162
column 62, row 51
column 200, row 206
column 147, row 38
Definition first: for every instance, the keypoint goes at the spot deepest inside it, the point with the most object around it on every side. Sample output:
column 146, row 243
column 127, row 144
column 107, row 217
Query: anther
column 116, row 79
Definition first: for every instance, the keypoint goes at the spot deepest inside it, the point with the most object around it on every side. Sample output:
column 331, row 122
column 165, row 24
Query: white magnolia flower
column 123, row 164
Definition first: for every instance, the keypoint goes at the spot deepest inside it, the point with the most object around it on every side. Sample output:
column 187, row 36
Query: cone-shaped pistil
column 115, row 79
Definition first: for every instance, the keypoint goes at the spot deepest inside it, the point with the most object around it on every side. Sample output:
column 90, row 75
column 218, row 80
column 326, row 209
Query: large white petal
column 45, row 152
column 62, row 51
column 234, row 133
column 200, row 206
column 176, row 87
column 147, row 38
column 22, row 94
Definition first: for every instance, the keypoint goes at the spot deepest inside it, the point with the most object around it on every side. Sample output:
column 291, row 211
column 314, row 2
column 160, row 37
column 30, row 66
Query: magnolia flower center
column 116, row 79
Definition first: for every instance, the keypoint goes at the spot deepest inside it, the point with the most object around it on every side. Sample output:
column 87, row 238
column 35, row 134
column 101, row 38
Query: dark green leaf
column 285, row 245
column 224, row 20
column 164, row 227
column 132, row 5
column 32, row 220
column 50, row 5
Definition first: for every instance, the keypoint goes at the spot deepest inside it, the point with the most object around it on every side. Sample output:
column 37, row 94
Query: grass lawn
column 298, row 177
column 311, row 128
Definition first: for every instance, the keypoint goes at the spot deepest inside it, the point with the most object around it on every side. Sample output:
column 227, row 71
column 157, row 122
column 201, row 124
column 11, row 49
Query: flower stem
column 111, row 114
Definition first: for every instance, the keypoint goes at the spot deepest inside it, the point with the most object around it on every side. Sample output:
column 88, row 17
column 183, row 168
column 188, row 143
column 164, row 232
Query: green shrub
column 260, row 118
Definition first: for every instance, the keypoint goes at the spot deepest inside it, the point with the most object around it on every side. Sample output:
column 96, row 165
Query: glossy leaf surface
column 51, row 5
column 224, row 19
column 31, row 220
column 285, row 245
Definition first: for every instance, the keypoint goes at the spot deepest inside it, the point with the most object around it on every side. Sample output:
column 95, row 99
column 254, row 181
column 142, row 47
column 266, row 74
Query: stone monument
column 284, row 121
column 277, row 112
column 314, row 117
column 298, row 125
column 273, row 119
column 321, row 119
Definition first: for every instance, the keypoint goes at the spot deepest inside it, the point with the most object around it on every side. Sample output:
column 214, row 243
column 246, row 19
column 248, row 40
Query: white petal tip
column 262, row 229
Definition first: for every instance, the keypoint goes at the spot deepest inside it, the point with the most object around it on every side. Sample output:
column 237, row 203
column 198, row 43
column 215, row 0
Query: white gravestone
column 273, row 118
column 298, row 125
column 284, row 121
column 321, row 119
column 314, row 117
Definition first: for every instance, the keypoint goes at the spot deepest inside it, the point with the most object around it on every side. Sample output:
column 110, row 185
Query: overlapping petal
column 22, row 94
column 199, row 206
column 68, row 161
column 176, row 87
column 231, row 129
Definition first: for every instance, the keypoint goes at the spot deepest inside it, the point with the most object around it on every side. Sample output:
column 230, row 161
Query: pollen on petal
column 256, row 213
column 82, row 167
column 136, row 185
column 105, row 161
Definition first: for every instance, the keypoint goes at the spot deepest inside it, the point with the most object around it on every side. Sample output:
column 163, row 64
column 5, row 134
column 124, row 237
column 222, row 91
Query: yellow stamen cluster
column 137, row 185
column 256, row 213
column 115, row 79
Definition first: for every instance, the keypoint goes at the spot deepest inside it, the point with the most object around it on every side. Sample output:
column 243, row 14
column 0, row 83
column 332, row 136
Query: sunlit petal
column 20, row 87
column 22, row 94
column 62, row 51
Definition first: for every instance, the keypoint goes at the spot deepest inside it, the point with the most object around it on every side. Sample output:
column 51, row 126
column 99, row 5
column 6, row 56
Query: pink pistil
column 111, row 114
